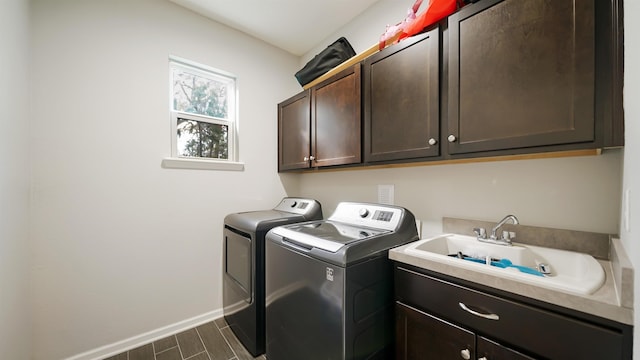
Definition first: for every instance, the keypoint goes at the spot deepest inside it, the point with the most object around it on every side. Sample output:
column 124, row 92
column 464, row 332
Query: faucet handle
column 508, row 236
column 481, row 233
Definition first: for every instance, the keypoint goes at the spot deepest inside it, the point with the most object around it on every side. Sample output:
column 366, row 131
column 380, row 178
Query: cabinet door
column 521, row 325
column 422, row 336
column 294, row 129
column 521, row 74
column 490, row 350
column 336, row 120
column 401, row 106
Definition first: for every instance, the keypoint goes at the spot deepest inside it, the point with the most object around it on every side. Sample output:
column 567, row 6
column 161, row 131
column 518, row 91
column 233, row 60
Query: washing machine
column 243, row 265
column 329, row 285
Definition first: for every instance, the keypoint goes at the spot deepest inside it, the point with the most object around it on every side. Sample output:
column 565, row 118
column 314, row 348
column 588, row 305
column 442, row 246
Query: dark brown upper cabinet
column 294, row 131
column 336, row 119
column 401, row 100
column 534, row 73
column 496, row 78
column 322, row 126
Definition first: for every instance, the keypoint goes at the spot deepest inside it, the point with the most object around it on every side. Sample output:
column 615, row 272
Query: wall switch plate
column 385, row 194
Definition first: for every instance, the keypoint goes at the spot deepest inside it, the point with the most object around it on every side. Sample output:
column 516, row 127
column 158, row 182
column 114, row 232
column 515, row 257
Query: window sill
column 201, row 164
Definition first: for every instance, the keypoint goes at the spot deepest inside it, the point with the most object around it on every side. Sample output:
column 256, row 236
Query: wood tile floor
column 211, row 341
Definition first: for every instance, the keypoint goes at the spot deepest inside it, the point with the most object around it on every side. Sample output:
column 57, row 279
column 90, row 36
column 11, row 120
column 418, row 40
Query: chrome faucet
column 502, row 222
column 505, row 239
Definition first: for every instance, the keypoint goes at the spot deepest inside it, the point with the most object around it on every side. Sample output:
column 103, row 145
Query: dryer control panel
column 298, row 206
column 376, row 216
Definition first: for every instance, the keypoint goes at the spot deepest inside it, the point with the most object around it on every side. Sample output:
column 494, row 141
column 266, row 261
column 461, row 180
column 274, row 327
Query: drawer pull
column 465, row 354
column 486, row 316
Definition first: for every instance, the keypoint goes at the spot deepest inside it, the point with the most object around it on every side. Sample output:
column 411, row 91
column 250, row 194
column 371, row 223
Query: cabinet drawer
column 539, row 331
column 422, row 336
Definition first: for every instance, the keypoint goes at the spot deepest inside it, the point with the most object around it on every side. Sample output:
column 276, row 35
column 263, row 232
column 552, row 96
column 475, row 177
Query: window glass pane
column 202, row 139
column 199, row 95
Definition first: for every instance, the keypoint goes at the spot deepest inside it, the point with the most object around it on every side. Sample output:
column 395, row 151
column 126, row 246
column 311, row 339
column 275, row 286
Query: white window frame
column 231, row 122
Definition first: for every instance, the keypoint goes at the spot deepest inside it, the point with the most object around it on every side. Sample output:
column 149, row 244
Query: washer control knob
column 363, row 213
column 294, row 204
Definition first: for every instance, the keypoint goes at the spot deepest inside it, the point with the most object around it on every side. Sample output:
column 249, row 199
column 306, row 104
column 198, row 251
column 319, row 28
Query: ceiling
column 296, row 26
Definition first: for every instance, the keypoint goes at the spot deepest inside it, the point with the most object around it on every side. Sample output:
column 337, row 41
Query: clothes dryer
column 243, row 265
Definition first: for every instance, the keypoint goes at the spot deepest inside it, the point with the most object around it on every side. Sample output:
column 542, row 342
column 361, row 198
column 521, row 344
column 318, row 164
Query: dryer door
column 238, row 265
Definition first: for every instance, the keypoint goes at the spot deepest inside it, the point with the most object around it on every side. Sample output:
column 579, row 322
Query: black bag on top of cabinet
column 334, row 55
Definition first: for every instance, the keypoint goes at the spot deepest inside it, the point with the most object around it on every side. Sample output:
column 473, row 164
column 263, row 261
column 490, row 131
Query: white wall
column 365, row 30
column 569, row 193
column 631, row 180
column 15, row 316
column 121, row 245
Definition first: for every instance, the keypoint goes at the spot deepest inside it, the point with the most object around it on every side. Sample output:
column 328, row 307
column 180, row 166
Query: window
column 203, row 112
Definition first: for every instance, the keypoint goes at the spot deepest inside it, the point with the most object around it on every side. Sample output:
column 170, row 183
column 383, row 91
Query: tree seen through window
column 206, row 135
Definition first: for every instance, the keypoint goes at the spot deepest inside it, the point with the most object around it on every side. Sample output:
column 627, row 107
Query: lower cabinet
column 488, row 350
column 439, row 317
column 423, row 336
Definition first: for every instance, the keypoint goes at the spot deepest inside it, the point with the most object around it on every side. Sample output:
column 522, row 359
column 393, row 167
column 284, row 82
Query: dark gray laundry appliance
column 330, row 284
column 243, row 265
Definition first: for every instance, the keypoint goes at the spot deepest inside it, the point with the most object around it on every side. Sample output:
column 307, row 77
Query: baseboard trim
column 145, row 338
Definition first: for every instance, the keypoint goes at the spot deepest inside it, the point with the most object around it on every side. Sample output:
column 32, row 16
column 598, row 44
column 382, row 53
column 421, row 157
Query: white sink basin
column 570, row 271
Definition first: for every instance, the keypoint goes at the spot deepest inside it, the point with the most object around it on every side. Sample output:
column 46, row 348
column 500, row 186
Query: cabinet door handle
column 465, row 354
column 486, row 316
column 433, row 141
column 306, row 158
column 483, row 358
column 312, row 157
column 451, row 138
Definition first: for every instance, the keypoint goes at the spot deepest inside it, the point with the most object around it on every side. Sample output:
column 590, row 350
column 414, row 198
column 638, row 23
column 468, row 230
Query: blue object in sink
column 501, row 263
column 506, row 263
